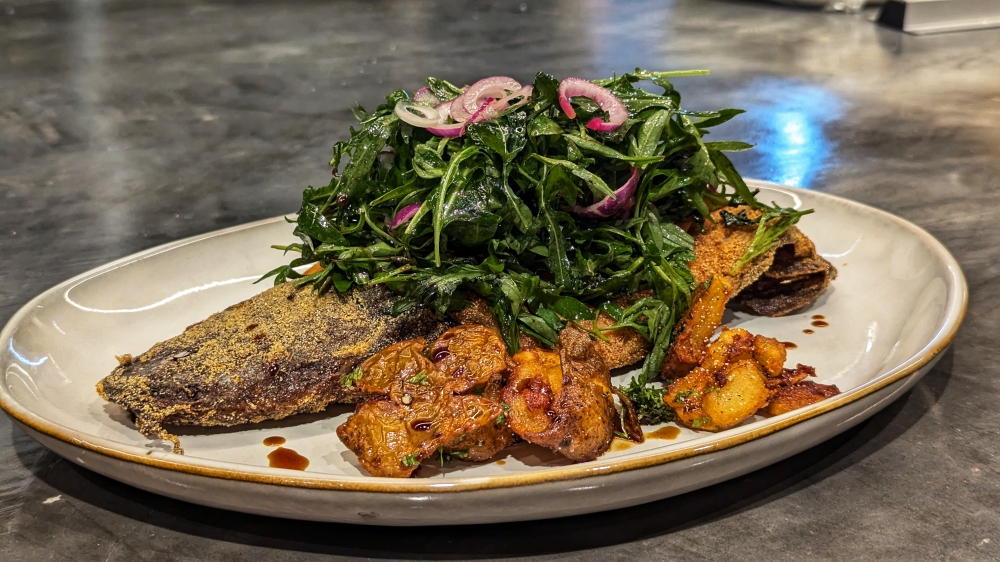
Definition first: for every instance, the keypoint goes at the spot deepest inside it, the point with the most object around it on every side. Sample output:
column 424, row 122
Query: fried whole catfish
column 279, row 353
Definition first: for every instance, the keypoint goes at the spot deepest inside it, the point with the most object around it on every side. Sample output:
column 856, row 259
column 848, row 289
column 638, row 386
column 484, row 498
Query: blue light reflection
column 787, row 119
column 23, row 359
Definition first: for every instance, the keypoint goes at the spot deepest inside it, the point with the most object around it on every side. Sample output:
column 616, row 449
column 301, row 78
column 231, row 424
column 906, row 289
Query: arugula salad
column 552, row 201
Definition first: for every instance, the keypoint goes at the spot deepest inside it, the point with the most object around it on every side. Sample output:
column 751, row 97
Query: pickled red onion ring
column 608, row 206
column 416, row 114
column 573, row 87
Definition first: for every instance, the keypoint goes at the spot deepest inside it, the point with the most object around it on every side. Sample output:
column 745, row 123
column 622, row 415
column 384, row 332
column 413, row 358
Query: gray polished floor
column 128, row 124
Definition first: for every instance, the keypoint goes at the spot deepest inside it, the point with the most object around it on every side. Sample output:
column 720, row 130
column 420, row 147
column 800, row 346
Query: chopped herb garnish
column 648, row 402
column 419, row 378
column 701, row 421
column 410, row 460
column 681, row 396
column 503, row 417
column 349, row 379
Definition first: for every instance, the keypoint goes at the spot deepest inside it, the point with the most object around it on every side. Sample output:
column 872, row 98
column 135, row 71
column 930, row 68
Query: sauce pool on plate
column 274, row 440
column 669, row 432
column 287, row 458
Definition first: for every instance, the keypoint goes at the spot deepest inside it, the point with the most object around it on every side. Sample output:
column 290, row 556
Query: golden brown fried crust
column 623, row 347
column 279, row 353
column 719, row 248
column 696, row 328
column 799, row 395
column 563, row 400
column 796, row 278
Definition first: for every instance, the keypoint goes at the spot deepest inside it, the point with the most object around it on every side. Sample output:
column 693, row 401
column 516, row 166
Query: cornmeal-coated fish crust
column 280, row 353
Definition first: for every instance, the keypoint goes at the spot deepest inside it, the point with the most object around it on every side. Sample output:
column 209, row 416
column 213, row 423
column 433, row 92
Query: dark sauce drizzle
column 287, row 458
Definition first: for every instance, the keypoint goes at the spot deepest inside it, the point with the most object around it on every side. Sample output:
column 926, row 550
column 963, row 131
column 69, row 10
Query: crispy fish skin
column 280, row 353
column 796, row 278
column 720, row 247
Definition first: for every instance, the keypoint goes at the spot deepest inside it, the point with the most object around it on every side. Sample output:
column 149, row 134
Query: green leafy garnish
column 772, row 224
column 503, row 417
column 701, row 421
column 349, row 379
column 648, row 402
column 419, row 378
column 495, row 213
column 410, row 460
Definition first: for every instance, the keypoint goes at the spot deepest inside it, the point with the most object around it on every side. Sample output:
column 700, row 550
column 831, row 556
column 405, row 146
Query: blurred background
column 127, row 124
column 139, row 122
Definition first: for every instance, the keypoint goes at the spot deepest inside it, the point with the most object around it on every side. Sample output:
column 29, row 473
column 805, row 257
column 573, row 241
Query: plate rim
column 956, row 305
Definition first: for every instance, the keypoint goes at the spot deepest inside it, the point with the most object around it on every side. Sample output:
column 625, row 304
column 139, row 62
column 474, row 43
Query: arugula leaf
column 442, row 201
column 443, row 89
column 772, row 224
column 494, row 216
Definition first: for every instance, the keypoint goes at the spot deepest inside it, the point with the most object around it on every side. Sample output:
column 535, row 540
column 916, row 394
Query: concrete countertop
column 124, row 125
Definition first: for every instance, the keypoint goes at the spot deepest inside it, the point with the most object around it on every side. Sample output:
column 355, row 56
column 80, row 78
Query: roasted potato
column 469, row 355
column 726, row 388
column 485, row 442
column 563, row 400
column 417, row 405
column 391, row 438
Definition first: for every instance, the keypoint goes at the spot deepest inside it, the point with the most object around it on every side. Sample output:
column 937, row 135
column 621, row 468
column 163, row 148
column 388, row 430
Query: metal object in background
column 939, row 16
column 848, row 6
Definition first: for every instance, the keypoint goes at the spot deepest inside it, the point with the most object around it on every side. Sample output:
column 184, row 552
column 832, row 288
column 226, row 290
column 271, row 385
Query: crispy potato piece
column 696, row 328
column 391, row 370
column 788, row 377
column 726, row 388
column 742, row 394
column 563, row 401
column 485, row 442
column 531, row 389
column 798, row 395
column 770, row 353
column 391, row 438
column 416, row 406
column 470, row 355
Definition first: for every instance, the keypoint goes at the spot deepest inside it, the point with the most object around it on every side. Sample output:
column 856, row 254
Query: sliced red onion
column 457, row 110
column 444, row 110
column 573, row 87
column 484, row 113
column 450, row 130
column 458, row 129
column 495, row 87
column 416, row 114
column 423, row 96
column 609, row 207
column 503, row 104
column 404, row 215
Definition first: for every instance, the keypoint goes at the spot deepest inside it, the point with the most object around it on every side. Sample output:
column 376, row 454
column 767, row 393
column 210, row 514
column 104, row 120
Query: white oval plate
column 896, row 304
